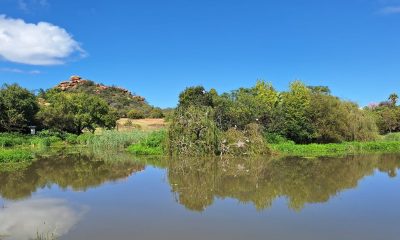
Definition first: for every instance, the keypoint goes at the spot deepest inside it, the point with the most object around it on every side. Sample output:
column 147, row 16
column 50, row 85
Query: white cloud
column 36, row 44
column 390, row 10
column 17, row 70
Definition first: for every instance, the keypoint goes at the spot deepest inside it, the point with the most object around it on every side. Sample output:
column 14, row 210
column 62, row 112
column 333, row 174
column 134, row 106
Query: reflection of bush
column 258, row 181
column 76, row 171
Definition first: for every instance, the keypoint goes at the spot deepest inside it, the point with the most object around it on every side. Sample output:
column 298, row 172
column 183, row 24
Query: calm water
column 79, row 198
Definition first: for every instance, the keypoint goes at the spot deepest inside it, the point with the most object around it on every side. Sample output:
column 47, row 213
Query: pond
column 83, row 196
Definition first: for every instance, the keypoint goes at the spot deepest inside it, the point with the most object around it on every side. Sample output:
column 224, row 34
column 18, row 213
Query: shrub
column 71, row 138
column 153, row 144
column 193, row 132
column 85, row 138
column 135, row 114
column 274, row 138
column 247, row 142
column 12, row 139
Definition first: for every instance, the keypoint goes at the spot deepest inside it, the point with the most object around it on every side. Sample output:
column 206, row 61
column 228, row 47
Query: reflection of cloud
column 23, row 220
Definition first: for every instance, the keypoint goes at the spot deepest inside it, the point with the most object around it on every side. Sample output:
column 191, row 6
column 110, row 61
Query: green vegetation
column 204, row 123
column 18, row 108
column 111, row 139
column 335, row 149
column 303, row 121
column 75, row 112
column 120, row 100
column 152, row 144
column 14, row 155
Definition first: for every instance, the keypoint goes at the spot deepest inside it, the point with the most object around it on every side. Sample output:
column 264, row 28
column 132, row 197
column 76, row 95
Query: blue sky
column 157, row 48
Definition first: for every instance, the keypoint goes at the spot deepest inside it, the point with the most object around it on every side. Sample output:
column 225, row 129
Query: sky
column 157, row 48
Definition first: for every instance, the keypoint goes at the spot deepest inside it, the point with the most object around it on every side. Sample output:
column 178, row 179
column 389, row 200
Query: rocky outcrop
column 73, row 82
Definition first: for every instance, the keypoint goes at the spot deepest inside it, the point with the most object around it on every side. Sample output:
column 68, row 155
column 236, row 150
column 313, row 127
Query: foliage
column 14, row 155
column 391, row 137
column 247, row 142
column 195, row 96
column 135, row 114
column 18, row 107
column 118, row 99
column 75, row 112
column 111, row 139
column 193, row 132
column 152, row 144
column 296, row 106
column 13, row 139
column 335, row 149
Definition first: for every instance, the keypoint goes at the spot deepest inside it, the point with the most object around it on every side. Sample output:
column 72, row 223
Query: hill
column 125, row 103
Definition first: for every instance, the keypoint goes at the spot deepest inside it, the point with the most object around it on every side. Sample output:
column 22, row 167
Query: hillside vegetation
column 122, row 101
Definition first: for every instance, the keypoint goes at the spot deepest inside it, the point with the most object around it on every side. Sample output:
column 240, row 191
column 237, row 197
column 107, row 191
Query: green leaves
column 73, row 112
column 18, row 107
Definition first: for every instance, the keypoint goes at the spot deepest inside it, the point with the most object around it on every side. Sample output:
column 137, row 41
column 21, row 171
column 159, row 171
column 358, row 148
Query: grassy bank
column 335, row 149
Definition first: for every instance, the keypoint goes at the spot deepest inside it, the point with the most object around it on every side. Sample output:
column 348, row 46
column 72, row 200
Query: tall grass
column 111, row 139
column 15, row 155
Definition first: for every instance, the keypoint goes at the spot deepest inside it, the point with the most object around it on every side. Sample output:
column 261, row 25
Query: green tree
column 18, row 107
column 195, row 96
column 296, row 103
column 193, row 132
column 74, row 112
column 393, row 99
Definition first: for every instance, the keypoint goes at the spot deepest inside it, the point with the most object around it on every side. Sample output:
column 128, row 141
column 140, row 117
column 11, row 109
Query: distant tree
column 320, row 89
column 195, row 96
column 135, row 114
column 18, row 107
column 74, row 112
column 393, row 99
column 156, row 113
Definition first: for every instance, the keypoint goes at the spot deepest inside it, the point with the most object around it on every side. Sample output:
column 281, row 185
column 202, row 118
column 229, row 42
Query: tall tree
column 18, row 107
column 393, row 99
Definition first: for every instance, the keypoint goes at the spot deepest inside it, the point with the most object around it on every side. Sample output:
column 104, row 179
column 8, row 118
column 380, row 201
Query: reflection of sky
column 23, row 220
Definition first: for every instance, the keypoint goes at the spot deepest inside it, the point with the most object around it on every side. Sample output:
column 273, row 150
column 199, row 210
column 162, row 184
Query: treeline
column 243, row 120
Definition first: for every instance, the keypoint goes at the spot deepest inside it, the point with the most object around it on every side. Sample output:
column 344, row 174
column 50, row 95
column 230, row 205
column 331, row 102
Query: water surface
column 86, row 197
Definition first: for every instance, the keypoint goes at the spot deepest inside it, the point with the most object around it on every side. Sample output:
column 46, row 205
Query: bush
column 12, row 139
column 153, row 144
column 193, row 132
column 274, row 138
column 71, row 138
column 135, row 114
column 248, row 142
column 85, row 138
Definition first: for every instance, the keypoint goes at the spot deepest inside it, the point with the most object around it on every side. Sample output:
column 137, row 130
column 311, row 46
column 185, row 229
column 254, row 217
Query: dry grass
column 146, row 124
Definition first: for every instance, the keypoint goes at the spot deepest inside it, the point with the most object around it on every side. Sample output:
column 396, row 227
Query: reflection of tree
column 197, row 182
column 76, row 171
